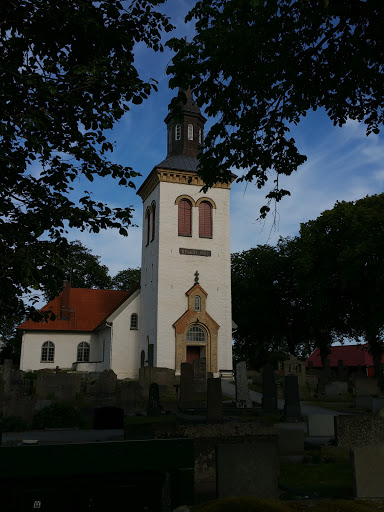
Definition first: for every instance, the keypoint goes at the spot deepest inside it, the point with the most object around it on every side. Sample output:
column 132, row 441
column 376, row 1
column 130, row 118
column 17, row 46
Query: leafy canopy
column 67, row 74
column 261, row 65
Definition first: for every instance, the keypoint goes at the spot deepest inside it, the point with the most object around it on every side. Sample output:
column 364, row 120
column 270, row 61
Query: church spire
column 185, row 135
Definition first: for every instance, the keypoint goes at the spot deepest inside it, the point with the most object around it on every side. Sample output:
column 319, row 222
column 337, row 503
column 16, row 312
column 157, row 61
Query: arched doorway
column 196, row 339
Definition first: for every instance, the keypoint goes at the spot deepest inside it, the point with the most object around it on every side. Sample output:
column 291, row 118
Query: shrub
column 57, row 415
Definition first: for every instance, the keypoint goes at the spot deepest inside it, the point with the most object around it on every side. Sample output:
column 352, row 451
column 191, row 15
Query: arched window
column 190, row 132
column 185, row 217
column 196, row 334
column 142, row 359
column 153, row 220
column 48, row 352
column 200, row 135
column 148, row 218
column 134, row 321
column 197, row 303
column 83, row 352
column 178, row 132
column 205, row 220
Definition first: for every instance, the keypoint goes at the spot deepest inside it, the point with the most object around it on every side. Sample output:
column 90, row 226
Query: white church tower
column 186, row 270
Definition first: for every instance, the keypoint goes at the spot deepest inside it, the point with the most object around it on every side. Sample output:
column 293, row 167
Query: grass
column 249, row 504
column 317, row 479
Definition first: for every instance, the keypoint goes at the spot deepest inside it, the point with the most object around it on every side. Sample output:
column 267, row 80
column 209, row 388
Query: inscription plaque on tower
column 194, row 252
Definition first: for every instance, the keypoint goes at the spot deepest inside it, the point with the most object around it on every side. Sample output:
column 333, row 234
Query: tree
column 67, row 75
column 125, row 279
column 82, row 268
column 261, row 65
column 271, row 313
column 344, row 262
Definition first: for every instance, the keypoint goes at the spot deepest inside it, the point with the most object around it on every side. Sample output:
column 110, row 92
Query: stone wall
column 358, row 430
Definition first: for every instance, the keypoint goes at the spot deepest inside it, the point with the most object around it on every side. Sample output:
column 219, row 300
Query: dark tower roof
column 184, row 136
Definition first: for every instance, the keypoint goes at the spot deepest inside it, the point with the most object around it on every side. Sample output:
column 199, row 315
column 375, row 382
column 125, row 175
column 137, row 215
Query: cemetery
column 216, row 447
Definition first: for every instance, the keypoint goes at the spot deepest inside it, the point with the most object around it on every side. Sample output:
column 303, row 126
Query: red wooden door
column 193, row 353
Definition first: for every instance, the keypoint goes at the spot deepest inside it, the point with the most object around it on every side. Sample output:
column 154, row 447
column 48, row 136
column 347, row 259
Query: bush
column 57, row 416
column 13, row 424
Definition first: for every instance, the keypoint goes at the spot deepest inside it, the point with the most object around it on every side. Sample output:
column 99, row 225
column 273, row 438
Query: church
column 181, row 311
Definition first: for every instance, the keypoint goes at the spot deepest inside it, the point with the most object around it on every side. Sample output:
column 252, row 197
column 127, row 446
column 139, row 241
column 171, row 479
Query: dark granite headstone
column 269, row 400
column 214, row 400
column 292, row 409
column 154, row 407
column 200, row 375
column 107, row 382
column 186, row 385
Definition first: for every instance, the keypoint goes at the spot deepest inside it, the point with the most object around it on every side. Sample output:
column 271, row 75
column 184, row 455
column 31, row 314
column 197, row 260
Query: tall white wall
column 125, row 357
column 176, row 271
column 149, row 279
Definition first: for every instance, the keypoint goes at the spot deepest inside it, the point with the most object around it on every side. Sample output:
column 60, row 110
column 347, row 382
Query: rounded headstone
column 380, row 412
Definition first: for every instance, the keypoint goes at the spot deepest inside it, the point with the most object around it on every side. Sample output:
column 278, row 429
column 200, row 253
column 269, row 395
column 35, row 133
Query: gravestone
column 368, row 471
column 269, row 400
column 294, row 366
column 107, row 382
column 358, row 430
column 131, row 396
column 377, row 404
column 364, row 402
column 214, row 400
column 321, row 425
column 154, row 407
column 292, row 409
column 291, row 440
column 334, row 389
column 186, row 386
column 200, row 375
column 108, row 418
column 247, row 470
column 243, row 400
column 366, row 386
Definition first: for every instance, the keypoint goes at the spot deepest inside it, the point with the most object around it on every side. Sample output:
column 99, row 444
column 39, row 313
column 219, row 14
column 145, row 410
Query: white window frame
column 48, row 352
column 83, row 351
column 197, row 303
column 190, row 132
column 196, row 334
column 134, row 324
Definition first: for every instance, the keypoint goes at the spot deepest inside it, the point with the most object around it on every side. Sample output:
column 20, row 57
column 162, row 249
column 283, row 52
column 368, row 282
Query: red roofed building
column 93, row 330
column 352, row 356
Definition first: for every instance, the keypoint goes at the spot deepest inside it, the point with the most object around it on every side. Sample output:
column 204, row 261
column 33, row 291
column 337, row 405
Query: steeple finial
column 196, row 277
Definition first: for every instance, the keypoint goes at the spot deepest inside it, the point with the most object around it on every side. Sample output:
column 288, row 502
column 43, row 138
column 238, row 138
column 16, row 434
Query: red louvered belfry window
column 185, row 218
column 205, row 219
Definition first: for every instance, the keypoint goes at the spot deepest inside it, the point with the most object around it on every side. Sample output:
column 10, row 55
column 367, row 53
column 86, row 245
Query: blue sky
column 343, row 164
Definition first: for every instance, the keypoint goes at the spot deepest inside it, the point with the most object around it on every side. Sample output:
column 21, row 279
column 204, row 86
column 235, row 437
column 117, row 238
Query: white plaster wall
column 176, row 271
column 149, row 280
column 65, row 348
column 125, row 360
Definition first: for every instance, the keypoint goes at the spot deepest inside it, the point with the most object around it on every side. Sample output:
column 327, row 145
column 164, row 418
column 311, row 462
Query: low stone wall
column 206, row 437
column 358, row 430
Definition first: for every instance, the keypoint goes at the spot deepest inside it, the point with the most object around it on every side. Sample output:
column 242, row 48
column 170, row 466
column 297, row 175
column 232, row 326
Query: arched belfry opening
column 196, row 332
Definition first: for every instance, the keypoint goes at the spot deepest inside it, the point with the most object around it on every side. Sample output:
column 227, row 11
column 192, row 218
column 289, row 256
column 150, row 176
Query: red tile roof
column 88, row 309
column 351, row 355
